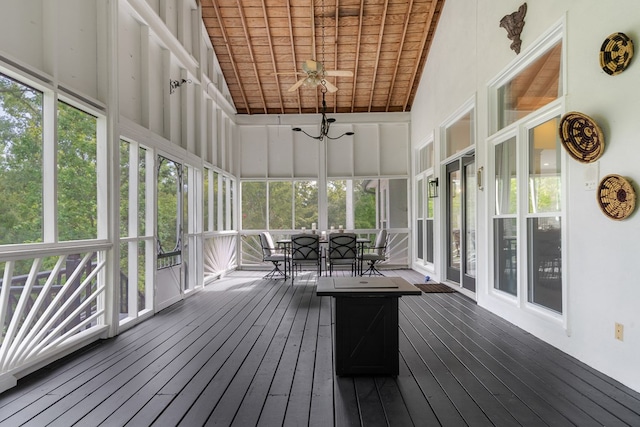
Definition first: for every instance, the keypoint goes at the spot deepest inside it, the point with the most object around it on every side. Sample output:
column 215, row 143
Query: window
column 367, row 203
column 206, row 197
column 532, row 88
column 306, row 203
column 215, row 203
column 254, row 205
column 505, row 221
column 459, row 135
column 290, row 204
column 544, row 225
column 136, row 248
column 280, row 196
column 337, row 203
column 27, row 163
column 77, row 174
column 424, row 205
column 21, row 163
column 527, row 178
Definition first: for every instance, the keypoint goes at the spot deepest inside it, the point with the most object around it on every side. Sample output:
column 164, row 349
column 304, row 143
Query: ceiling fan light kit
column 315, row 72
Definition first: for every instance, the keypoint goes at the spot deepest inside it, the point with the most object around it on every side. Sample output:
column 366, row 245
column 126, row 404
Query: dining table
column 285, row 245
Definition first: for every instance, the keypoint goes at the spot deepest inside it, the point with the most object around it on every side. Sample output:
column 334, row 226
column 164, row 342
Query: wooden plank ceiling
column 384, row 43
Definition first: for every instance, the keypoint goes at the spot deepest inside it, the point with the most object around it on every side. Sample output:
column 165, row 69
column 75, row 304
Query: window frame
column 520, row 129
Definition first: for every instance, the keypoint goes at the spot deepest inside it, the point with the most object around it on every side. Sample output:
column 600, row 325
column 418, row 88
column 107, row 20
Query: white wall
column 603, row 284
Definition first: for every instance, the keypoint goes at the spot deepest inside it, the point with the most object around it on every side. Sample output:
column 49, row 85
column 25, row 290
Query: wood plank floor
column 248, row 351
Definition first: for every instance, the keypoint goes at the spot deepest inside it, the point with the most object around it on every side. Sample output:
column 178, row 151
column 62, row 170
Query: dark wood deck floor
column 256, row 352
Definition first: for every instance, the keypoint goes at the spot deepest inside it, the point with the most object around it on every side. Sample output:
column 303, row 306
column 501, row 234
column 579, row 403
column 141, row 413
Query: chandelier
column 325, row 122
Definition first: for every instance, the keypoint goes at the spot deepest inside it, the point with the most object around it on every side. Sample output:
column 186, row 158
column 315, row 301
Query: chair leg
column 275, row 272
column 372, row 270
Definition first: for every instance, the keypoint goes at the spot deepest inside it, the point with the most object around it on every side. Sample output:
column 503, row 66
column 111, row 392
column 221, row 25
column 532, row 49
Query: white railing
column 219, row 254
column 397, row 249
column 48, row 301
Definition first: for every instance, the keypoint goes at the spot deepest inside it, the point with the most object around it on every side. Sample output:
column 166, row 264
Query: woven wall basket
column 581, row 136
column 616, row 53
column 616, row 197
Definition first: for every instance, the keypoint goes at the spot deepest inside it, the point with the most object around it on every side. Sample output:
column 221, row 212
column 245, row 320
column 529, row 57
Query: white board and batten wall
column 275, row 151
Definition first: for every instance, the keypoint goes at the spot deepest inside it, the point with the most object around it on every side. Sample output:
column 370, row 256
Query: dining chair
column 305, row 249
column 374, row 254
column 342, row 251
column 271, row 254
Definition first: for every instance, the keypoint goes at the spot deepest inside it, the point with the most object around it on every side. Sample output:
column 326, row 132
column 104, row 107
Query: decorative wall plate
column 616, row 197
column 581, row 136
column 616, row 53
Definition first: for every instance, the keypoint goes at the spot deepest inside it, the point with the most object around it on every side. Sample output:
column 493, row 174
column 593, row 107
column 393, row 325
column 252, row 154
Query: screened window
column 206, row 197
column 337, row 203
column 77, row 174
column 280, row 213
column 306, row 203
column 367, row 203
column 135, row 247
column 254, row 205
column 21, row 163
column 223, row 201
column 215, row 203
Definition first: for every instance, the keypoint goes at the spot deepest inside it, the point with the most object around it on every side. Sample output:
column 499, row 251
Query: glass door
column 469, row 227
column 461, row 222
column 454, row 220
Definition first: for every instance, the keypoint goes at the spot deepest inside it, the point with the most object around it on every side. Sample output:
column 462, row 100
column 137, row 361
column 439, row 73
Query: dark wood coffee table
column 366, row 322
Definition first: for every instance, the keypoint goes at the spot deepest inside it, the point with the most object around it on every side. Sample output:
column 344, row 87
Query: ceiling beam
column 273, row 56
column 243, row 20
column 402, row 39
column 423, row 57
column 293, row 52
column 358, row 43
column 230, row 52
column 377, row 61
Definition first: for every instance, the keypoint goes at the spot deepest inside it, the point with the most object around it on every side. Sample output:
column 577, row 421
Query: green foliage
column 21, row 168
column 364, row 201
column 280, row 196
column 168, row 193
column 20, row 163
column 306, row 203
column 254, row 205
column 77, row 174
column 337, row 203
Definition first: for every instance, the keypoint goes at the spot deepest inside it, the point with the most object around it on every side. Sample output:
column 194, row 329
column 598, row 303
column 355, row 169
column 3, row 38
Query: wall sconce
column 479, row 178
column 433, row 188
column 175, row 84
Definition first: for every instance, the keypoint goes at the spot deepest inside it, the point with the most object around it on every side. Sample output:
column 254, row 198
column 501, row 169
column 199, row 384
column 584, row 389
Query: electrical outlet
column 620, row 331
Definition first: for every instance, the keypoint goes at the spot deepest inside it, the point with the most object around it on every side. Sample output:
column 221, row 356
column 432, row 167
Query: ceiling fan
column 315, row 75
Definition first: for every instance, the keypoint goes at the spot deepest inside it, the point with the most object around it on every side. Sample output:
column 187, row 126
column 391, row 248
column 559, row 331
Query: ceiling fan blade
column 330, row 87
column 296, row 86
column 339, row 73
column 294, row 73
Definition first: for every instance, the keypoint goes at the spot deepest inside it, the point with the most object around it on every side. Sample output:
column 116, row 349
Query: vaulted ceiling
column 262, row 44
